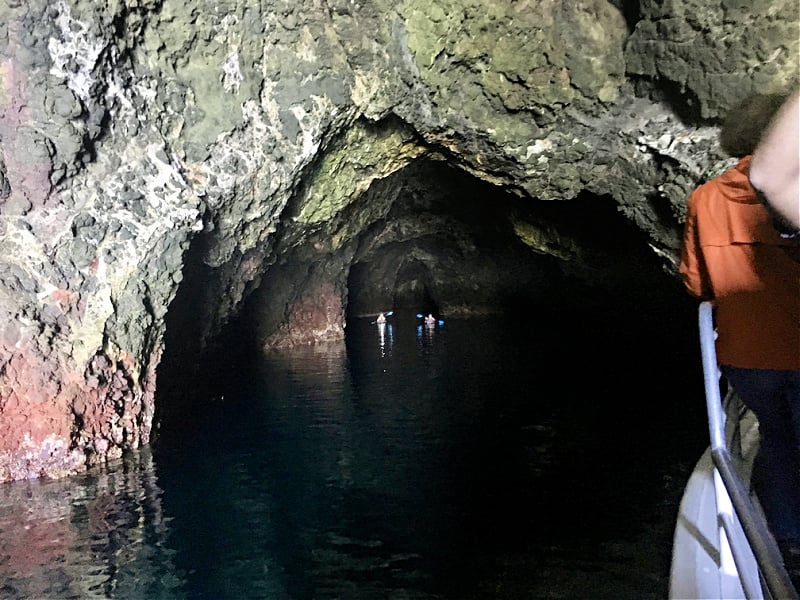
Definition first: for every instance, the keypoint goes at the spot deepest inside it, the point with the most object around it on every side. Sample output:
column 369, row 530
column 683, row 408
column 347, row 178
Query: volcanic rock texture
column 169, row 165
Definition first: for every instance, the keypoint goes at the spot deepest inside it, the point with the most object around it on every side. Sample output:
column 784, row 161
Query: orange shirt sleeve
column 692, row 267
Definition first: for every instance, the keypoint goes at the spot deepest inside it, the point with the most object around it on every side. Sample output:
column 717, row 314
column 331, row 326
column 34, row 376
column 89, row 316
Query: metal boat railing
column 731, row 490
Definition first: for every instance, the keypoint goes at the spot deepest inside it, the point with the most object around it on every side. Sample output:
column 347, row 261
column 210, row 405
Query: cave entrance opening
column 409, row 290
column 413, row 288
column 441, row 241
column 432, row 239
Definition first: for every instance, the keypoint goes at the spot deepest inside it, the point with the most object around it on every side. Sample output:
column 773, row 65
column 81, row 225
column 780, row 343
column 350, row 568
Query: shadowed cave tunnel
column 435, row 239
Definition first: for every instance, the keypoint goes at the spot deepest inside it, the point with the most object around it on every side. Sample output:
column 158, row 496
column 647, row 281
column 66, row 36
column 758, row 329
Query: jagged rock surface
column 165, row 165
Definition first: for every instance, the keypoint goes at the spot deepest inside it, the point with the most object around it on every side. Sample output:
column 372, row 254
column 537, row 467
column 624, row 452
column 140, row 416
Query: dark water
column 479, row 459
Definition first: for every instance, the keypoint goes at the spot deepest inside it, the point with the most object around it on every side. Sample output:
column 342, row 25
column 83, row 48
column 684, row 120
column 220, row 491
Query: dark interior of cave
column 459, row 250
column 460, row 253
column 446, row 245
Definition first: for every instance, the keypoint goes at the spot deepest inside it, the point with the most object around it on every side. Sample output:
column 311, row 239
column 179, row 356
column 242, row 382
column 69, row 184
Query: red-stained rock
column 317, row 316
column 56, row 422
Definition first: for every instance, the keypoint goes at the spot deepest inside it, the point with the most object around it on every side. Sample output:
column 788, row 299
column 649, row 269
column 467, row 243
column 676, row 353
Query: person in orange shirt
column 734, row 256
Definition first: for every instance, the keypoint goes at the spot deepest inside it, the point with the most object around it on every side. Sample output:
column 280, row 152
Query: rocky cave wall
column 235, row 143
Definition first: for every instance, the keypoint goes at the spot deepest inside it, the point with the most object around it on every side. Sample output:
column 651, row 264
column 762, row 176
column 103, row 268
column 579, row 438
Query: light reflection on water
column 94, row 536
column 385, row 333
column 413, row 462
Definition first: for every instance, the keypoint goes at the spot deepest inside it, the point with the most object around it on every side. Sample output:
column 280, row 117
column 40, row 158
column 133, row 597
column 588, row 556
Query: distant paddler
column 430, row 319
column 382, row 317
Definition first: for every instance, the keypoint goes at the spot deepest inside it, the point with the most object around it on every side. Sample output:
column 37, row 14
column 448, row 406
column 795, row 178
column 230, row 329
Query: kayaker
column 381, row 318
column 430, row 320
column 735, row 256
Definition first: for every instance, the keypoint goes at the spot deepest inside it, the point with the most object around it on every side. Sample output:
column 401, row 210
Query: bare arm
column 775, row 167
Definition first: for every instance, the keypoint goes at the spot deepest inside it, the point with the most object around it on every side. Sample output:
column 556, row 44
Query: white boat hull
column 702, row 564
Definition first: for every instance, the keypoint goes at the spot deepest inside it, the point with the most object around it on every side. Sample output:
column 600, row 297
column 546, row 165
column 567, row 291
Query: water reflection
column 425, row 333
column 386, row 338
column 436, row 463
column 93, row 536
column 360, row 463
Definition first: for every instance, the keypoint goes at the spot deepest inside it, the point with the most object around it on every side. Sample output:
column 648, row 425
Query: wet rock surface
column 167, row 167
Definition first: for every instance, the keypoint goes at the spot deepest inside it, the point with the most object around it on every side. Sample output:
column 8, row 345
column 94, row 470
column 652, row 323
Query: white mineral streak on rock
column 231, row 72
column 246, row 148
column 167, row 178
column 269, row 108
column 664, row 134
column 310, row 125
column 76, row 48
column 309, row 145
column 167, row 200
column 164, row 190
column 252, row 150
column 670, row 138
column 116, row 91
column 538, row 147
